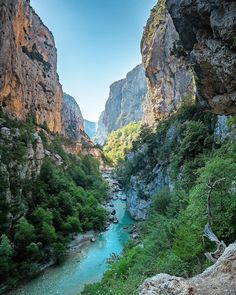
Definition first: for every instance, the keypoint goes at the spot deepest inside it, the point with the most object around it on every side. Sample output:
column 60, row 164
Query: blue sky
column 98, row 42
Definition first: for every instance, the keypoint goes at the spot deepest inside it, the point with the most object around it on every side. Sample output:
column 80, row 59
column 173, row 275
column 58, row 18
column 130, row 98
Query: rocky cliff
column 218, row 279
column 72, row 119
column 174, row 40
column 170, row 79
column 207, row 31
column 29, row 84
column 125, row 103
column 90, row 128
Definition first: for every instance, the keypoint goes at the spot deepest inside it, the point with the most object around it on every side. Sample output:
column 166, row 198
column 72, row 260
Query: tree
column 25, row 233
column 6, row 253
column 72, row 225
column 48, row 234
column 41, row 215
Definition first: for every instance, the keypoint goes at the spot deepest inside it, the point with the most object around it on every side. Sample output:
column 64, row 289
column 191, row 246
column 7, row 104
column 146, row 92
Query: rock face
column 72, row 119
column 125, row 103
column 218, row 279
column 207, row 30
column 101, row 133
column 29, row 84
column 90, row 128
column 170, row 79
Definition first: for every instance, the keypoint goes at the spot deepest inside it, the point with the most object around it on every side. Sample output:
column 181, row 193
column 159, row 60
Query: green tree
column 6, row 253
column 48, row 234
column 24, row 233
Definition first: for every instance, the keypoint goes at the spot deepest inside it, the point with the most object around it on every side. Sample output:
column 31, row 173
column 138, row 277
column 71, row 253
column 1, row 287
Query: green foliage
column 171, row 239
column 47, row 209
column 24, row 234
column 161, row 201
column 120, row 142
column 6, row 254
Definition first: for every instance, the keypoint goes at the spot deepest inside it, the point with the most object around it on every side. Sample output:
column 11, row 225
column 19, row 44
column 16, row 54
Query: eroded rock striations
column 125, row 103
column 207, row 30
column 218, row 279
column 170, row 79
column 29, row 84
column 72, row 118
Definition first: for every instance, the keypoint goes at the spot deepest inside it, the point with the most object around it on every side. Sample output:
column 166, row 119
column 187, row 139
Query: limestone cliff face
column 90, row 128
column 125, row 103
column 72, row 119
column 29, row 82
column 207, row 30
column 218, row 279
column 102, row 132
column 170, row 79
column 76, row 139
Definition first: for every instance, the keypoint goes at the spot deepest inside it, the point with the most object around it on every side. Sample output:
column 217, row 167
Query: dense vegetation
column 40, row 213
column 120, row 142
column 171, row 239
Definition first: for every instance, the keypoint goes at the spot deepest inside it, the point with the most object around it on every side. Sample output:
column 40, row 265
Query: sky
column 98, row 43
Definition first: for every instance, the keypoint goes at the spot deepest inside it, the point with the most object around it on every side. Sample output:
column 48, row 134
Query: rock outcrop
column 207, row 31
column 72, row 119
column 218, row 279
column 101, row 133
column 29, row 84
column 170, row 79
column 90, row 128
column 125, row 103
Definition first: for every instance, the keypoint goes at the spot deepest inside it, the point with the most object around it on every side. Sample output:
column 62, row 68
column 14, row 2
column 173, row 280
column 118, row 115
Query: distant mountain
column 124, row 104
column 90, row 128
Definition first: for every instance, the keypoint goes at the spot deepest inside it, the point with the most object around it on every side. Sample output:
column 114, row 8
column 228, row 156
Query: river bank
column 87, row 260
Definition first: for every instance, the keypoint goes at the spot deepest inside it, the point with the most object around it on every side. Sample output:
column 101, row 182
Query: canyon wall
column 29, row 84
column 207, row 30
column 90, row 128
column 72, row 119
column 187, row 52
column 124, row 105
column 169, row 76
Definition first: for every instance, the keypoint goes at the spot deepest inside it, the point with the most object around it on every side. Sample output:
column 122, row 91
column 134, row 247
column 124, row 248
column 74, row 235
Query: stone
column 207, row 31
column 5, row 132
column 219, row 279
column 124, row 104
column 72, row 118
column 170, row 78
column 29, row 84
column 90, row 128
column 93, row 240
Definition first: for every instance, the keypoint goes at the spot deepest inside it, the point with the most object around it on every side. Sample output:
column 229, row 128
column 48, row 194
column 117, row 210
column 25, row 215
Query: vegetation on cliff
column 120, row 142
column 171, row 239
column 39, row 213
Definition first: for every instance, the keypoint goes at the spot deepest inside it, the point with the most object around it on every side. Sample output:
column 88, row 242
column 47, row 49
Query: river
column 85, row 265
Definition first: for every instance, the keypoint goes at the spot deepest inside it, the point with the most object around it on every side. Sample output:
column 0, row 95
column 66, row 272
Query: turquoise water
column 85, row 266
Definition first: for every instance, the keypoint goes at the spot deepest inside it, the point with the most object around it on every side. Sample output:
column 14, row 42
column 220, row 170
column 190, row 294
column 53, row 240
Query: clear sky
column 98, row 42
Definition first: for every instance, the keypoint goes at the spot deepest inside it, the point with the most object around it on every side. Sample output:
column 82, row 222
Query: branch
column 208, row 233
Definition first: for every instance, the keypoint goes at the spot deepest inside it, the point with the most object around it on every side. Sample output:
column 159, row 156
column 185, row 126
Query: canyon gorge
column 167, row 133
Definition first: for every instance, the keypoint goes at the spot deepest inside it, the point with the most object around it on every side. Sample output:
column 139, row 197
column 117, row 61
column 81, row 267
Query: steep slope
column 29, row 84
column 72, row 119
column 207, row 30
column 90, row 128
column 46, row 194
column 170, row 79
column 171, row 83
column 125, row 103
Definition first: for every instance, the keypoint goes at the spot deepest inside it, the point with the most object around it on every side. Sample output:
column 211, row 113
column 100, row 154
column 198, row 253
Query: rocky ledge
column 218, row 279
